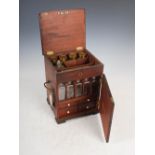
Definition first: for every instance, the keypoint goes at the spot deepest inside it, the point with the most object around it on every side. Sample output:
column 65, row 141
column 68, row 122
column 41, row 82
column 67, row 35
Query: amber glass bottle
column 62, row 58
column 54, row 59
column 72, row 55
column 82, row 55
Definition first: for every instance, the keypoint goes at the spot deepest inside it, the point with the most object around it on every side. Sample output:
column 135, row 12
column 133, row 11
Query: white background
column 40, row 134
column 144, row 96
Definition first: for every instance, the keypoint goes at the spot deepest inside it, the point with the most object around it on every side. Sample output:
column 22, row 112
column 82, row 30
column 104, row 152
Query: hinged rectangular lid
column 62, row 30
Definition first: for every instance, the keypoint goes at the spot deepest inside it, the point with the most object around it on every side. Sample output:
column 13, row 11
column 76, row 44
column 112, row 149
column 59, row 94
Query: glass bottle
column 82, row 55
column 95, row 86
column 86, row 87
column 59, row 64
column 70, row 90
column 63, row 58
column 72, row 55
column 61, row 92
column 53, row 59
column 78, row 88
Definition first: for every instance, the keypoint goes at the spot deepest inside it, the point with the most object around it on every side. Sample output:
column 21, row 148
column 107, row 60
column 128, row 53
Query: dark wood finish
column 77, row 100
column 62, row 31
column 80, row 73
column 76, row 114
column 106, row 108
column 91, row 58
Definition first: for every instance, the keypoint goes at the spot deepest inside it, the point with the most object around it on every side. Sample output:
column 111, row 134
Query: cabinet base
column 59, row 121
column 80, row 114
column 93, row 111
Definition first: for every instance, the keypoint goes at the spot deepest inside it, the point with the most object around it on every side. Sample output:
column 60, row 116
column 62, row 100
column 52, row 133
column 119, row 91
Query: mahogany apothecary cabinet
column 75, row 80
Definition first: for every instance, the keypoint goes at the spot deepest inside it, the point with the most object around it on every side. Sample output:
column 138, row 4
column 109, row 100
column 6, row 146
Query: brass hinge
column 50, row 53
column 79, row 48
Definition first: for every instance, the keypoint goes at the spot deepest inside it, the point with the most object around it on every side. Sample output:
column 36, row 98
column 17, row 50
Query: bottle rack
column 73, row 89
column 68, row 63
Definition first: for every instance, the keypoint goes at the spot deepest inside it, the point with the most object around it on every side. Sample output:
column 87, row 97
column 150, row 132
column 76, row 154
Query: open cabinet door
column 106, row 108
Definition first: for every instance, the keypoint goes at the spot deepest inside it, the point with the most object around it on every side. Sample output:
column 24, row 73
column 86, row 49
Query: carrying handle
column 45, row 85
column 51, row 90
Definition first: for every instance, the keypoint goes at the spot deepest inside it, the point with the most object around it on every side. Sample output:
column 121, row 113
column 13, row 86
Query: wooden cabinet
column 75, row 80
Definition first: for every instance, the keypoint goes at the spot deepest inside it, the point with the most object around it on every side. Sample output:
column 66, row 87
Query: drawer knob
column 68, row 104
column 68, row 112
column 88, row 100
column 87, row 107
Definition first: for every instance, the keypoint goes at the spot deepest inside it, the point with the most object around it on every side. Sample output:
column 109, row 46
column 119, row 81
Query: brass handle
column 68, row 104
column 45, row 85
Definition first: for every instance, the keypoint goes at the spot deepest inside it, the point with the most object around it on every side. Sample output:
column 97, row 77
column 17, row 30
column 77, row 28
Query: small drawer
column 67, row 111
column 75, row 101
column 86, row 106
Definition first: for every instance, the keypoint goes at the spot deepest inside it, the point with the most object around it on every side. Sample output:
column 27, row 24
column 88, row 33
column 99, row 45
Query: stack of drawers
column 74, row 107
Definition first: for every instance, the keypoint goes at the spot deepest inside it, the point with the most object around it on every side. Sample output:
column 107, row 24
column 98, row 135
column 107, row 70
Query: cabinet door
column 106, row 108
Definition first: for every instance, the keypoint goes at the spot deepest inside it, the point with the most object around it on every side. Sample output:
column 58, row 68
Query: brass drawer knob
column 88, row 100
column 68, row 105
column 87, row 107
column 68, row 112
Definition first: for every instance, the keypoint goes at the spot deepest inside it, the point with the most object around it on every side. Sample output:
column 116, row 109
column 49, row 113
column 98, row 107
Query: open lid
column 106, row 108
column 62, row 30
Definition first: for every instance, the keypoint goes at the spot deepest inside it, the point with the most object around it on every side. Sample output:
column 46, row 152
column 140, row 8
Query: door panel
column 106, row 108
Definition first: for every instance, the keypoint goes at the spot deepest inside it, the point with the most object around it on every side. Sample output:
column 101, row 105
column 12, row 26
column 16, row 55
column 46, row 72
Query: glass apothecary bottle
column 62, row 59
column 86, row 87
column 95, row 86
column 78, row 88
column 62, row 91
column 70, row 89
column 59, row 64
column 72, row 56
column 54, row 59
column 82, row 54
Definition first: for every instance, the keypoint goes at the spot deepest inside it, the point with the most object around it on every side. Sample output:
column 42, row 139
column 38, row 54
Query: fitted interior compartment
column 78, row 89
column 88, row 60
